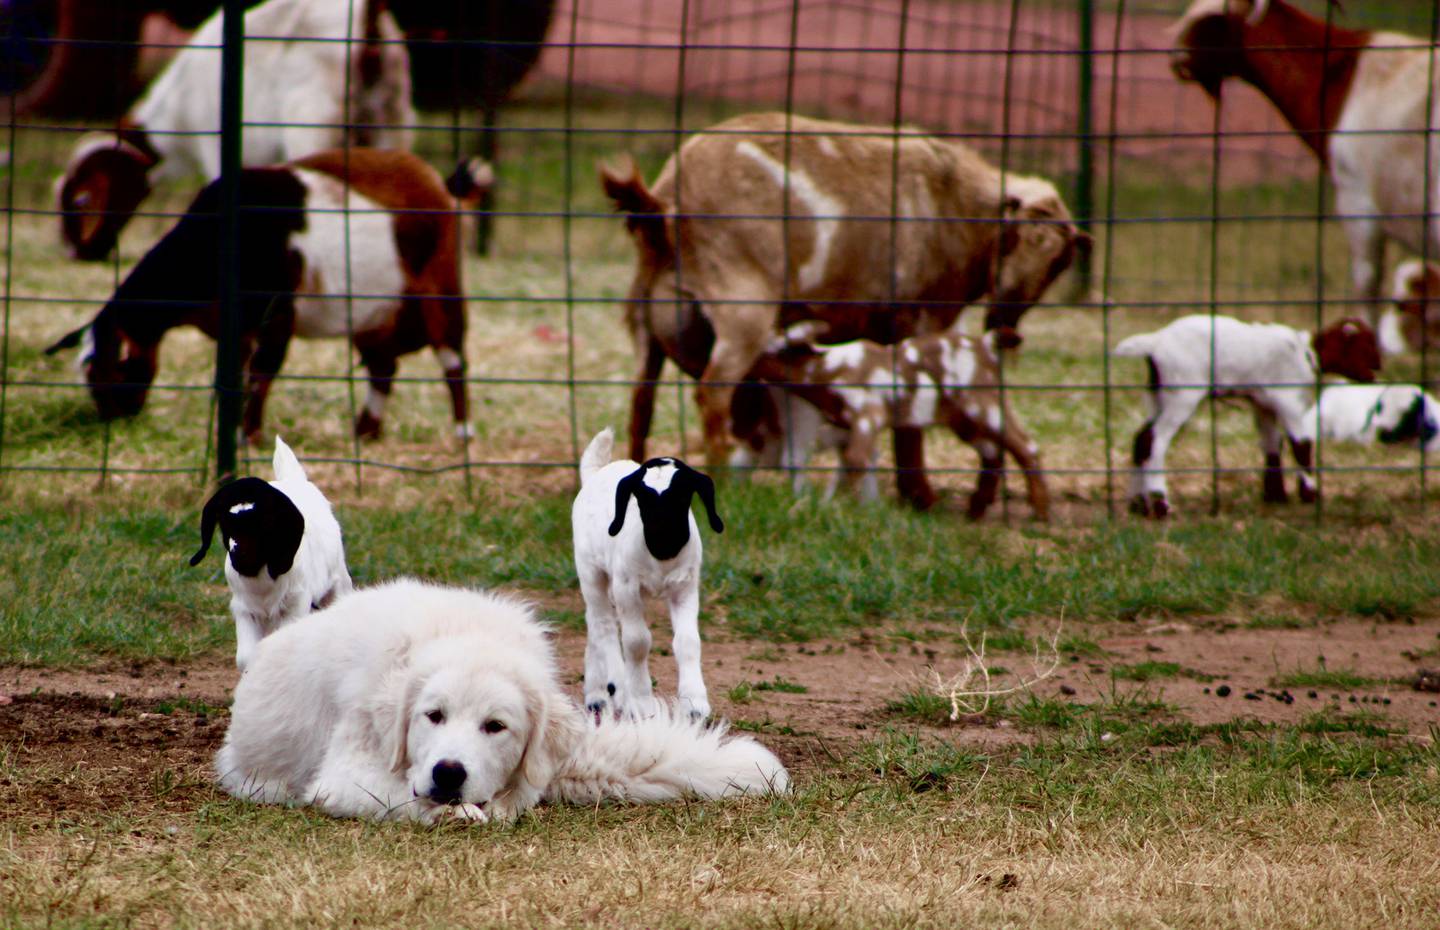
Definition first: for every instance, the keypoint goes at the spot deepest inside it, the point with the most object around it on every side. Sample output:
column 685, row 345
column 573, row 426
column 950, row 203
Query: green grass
column 1323, row 677
column 779, row 573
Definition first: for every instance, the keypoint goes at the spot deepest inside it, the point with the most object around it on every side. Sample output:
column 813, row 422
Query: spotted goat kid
column 942, row 379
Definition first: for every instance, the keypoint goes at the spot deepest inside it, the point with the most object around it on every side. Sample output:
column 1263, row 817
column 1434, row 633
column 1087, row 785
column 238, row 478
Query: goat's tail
column 287, row 466
column 662, row 758
column 470, row 180
column 597, row 454
column 1136, row 346
column 644, row 212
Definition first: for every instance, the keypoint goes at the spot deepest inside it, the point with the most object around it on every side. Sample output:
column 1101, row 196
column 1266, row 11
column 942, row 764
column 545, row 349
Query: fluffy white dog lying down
column 417, row 702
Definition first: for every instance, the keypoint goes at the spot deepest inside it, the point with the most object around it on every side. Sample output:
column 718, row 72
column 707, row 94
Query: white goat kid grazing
column 1392, row 414
column 283, row 553
column 1272, row 366
column 635, row 536
column 318, row 74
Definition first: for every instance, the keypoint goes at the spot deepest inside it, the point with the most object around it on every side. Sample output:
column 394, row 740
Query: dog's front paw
column 456, row 813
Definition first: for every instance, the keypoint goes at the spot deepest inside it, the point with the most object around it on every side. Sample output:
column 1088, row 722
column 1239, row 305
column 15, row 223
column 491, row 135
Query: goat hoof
column 1159, row 506
column 367, row 426
column 1140, row 505
column 1308, row 495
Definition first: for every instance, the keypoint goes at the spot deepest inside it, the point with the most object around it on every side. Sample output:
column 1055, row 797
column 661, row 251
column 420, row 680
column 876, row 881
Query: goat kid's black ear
column 623, row 491
column 286, row 528
column 704, row 486
column 69, row 341
column 233, row 493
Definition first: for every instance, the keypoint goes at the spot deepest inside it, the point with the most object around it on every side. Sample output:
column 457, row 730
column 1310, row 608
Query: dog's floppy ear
column 552, row 734
column 702, row 485
column 236, row 492
column 623, row 492
column 395, row 705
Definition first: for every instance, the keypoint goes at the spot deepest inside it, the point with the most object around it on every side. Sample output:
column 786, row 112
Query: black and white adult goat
column 283, row 553
column 635, row 536
column 378, row 225
column 319, row 74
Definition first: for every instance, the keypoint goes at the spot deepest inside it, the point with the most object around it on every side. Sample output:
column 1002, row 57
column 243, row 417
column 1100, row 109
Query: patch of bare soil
column 82, row 742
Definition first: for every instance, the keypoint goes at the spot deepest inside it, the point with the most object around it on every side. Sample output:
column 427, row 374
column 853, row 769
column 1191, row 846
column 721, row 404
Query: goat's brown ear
column 1084, row 242
column 644, row 212
column 68, row 341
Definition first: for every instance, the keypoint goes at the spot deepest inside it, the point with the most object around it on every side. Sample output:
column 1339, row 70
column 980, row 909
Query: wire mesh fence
column 1197, row 204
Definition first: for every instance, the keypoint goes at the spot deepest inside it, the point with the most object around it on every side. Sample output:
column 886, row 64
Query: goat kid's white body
column 1378, row 158
column 328, row 716
column 261, row 605
column 1271, row 365
column 616, row 574
column 295, row 88
column 1360, row 412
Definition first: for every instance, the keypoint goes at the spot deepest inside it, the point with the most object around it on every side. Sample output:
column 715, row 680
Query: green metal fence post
column 1085, row 164
column 227, row 351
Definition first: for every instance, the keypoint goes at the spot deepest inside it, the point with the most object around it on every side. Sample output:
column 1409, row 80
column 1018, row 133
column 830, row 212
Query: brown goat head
column 1349, row 349
column 106, row 181
column 1207, row 42
column 1037, row 246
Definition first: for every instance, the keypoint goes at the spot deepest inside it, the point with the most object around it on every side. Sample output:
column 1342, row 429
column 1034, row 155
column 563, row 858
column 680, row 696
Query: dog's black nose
column 448, row 777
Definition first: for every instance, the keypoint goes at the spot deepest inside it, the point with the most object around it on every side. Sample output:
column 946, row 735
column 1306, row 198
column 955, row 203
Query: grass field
column 1135, row 798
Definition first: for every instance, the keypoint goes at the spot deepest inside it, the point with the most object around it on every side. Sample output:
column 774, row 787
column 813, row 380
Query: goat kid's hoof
column 1308, row 495
column 1153, row 505
column 367, row 426
column 464, row 431
column 698, row 710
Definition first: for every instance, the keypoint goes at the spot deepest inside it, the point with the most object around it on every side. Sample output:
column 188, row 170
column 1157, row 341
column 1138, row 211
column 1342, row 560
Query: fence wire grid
column 1196, row 205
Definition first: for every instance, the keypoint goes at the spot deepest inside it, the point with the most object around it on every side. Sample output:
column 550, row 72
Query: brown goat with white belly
column 767, row 218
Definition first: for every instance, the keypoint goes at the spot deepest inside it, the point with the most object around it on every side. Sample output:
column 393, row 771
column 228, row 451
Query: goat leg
column 911, row 480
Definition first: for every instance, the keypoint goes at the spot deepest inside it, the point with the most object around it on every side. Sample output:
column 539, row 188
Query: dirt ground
column 159, row 724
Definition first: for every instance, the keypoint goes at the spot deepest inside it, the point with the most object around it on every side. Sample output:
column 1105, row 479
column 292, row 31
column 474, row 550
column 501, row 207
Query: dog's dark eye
column 494, row 726
column 435, row 716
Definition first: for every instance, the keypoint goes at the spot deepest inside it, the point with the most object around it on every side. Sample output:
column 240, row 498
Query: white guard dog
column 284, row 556
column 411, row 701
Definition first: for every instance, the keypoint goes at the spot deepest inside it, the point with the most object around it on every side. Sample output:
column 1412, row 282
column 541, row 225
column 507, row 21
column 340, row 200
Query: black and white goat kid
column 635, row 536
column 283, row 553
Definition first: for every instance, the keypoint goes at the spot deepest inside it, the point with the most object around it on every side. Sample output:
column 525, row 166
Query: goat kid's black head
column 662, row 488
column 118, row 370
column 260, row 527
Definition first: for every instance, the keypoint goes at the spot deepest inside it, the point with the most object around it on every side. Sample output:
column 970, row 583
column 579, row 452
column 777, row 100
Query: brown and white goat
column 768, row 218
column 380, row 226
column 945, row 378
column 306, row 89
column 1361, row 100
column 1272, row 366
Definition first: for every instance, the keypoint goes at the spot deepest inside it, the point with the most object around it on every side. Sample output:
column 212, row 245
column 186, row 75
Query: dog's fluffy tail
column 287, row 466
column 662, row 758
column 597, row 454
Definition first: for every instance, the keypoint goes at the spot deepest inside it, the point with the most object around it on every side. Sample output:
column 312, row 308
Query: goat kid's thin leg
column 1027, row 455
column 992, row 463
column 604, row 666
column 1272, row 440
column 1153, row 442
column 1304, row 451
column 911, row 480
column 636, row 698
column 685, row 625
column 445, row 331
column 642, row 397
